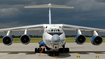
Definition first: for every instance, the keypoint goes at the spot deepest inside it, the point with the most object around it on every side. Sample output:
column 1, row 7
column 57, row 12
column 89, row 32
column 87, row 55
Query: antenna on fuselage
column 48, row 6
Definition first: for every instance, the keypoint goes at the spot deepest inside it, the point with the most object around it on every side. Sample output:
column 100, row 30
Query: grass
column 36, row 40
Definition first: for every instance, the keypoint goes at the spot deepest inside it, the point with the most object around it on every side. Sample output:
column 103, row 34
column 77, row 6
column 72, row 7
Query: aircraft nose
column 55, row 38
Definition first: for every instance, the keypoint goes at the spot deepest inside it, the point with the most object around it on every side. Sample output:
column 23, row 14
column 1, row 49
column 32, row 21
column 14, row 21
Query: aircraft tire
column 61, row 50
column 36, row 50
column 56, row 53
column 50, row 53
column 66, row 49
column 39, row 50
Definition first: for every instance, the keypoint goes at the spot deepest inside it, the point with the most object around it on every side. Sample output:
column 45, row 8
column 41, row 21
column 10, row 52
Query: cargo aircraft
column 53, row 34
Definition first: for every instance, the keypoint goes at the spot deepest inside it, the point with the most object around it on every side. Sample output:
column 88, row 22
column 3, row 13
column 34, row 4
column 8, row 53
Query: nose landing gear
column 60, row 50
column 53, row 53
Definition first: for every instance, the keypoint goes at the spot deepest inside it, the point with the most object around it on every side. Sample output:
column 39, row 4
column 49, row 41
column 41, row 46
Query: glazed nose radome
column 55, row 38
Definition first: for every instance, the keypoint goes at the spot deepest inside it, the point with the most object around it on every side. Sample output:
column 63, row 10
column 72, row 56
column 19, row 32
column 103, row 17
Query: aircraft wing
column 22, row 28
column 82, row 28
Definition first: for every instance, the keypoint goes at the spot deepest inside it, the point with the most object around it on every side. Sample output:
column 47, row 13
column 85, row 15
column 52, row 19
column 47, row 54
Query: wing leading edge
column 22, row 28
column 82, row 28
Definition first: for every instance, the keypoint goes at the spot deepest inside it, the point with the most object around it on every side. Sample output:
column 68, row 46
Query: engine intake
column 96, row 40
column 25, row 39
column 80, row 39
column 7, row 40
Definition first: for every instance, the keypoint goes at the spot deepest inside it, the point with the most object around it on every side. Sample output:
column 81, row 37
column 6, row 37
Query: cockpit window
column 58, row 30
column 52, row 30
column 55, row 31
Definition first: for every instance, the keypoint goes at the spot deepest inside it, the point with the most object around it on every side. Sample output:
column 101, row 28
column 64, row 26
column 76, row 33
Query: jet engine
column 96, row 40
column 7, row 40
column 25, row 39
column 80, row 39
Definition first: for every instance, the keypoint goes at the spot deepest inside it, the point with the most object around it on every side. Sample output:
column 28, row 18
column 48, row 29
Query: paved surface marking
column 55, row 57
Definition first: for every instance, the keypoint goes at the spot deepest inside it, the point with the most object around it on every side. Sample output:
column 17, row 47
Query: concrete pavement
column 20, row 51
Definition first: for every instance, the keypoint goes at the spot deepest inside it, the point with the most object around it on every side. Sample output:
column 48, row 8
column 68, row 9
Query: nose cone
column 55, row 38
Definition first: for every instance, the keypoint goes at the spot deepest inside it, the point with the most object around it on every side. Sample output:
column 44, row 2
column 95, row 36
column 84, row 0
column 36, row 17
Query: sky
column 89, row 13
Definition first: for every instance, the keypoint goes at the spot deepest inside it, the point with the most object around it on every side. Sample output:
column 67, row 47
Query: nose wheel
column 63, row 50
column 54, row 53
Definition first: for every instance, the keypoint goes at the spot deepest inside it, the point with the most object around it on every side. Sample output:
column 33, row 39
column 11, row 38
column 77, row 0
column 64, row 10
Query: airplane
column 53, row 34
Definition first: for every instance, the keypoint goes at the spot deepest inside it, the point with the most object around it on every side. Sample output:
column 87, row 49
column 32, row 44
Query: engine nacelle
column 80, row 39
column 7, row 40
column 25, row 39
column 96, row 40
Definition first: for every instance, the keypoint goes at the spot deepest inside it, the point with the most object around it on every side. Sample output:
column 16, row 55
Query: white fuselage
column 53, row 36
